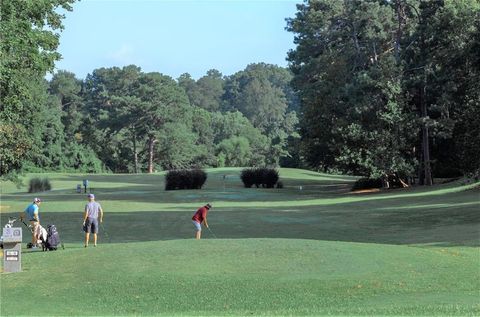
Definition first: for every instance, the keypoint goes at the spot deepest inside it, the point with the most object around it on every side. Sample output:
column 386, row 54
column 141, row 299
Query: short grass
column 245, row 277
column 320, row 250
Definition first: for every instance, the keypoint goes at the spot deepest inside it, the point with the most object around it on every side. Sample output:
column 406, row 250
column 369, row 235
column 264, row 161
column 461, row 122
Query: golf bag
column 53, row 238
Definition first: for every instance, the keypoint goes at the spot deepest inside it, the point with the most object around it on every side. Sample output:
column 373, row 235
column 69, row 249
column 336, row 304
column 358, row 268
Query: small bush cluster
column 39, row 185
column 367, row 183
column 264, row 177
column 185, row 179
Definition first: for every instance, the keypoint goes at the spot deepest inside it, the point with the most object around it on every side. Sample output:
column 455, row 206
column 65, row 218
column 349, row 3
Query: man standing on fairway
column 90, row 219
column 31, row 213
column 199, row 217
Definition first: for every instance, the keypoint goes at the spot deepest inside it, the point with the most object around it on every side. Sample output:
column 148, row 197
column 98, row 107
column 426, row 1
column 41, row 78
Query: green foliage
column 39, row 185
column 185, row 179
column 366, row 94
column 131, row 111
column 262, row 94
column 14, row 144
column 206, row 92
column 235, row 151
column 234, row 132
column 27, row 51
column 81, row 158
column 67, row 89
column 178, row 148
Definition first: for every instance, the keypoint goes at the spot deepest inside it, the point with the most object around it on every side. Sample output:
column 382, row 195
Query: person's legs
column 88, row 230
column 198, row 227
column 94, row 231
column 34, row 225
column 87, row 237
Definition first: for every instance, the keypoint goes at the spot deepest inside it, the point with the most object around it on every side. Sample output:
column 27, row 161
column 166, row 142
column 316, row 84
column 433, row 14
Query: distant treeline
column 373, row 88
column 125, row 120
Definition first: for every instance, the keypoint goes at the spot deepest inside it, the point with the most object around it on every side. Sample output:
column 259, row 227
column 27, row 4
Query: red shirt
column 200, row 215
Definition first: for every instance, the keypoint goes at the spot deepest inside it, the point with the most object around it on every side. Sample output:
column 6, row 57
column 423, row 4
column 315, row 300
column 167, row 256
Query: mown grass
column 317, row 250
column 132, row 193
column 245, row 277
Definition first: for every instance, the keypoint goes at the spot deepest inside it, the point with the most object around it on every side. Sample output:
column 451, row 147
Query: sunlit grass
column 311, row 248
column 146, row 192
column 245, row 277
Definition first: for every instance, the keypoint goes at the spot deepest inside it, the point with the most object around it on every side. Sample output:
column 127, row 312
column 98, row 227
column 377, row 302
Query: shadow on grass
column 447, row 227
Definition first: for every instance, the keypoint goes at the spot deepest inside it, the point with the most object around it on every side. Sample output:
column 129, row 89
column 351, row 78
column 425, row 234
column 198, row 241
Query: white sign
column 12, row 235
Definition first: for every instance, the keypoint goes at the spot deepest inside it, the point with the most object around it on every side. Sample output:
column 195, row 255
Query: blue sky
column 175, row 37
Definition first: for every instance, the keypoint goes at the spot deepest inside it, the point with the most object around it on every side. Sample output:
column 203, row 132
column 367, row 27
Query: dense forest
column 372, row 88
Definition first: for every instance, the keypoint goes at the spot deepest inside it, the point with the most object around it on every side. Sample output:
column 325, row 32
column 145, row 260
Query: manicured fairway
column 246, row 276
column 315, row 251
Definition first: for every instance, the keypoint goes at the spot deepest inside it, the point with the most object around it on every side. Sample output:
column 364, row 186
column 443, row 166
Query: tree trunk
column 135, row 154
column 425, row 137
column 151, row 142
column 400, row 10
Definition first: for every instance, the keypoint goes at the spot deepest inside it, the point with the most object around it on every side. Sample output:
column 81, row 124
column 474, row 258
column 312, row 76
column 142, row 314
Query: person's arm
column 85, row 214
column 101, row 214
column 204, row 216
column 35, row 216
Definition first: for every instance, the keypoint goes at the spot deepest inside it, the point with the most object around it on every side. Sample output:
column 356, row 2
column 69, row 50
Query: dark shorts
column 91, row 225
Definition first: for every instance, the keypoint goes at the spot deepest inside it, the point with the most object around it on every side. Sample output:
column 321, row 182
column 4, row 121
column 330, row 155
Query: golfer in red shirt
column 199, row 217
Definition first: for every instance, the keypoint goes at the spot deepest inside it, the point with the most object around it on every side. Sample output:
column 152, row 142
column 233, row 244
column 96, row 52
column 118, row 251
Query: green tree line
column 388, row 86
column 126, row 120
column 373, row 87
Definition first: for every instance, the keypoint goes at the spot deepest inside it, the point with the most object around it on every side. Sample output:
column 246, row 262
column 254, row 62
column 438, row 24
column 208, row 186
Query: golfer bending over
column 199, row 217
column 90, row 219
column 31, row 213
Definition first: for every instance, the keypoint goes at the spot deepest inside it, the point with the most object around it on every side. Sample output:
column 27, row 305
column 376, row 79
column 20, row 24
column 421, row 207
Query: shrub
column 39, row 185
column 269, row 177
column 367, row 183
column 247, row 176
column 265, row 177
column 185, row 179
column 279, row 184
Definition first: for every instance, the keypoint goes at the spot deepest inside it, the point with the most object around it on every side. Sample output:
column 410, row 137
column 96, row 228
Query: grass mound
column 245, row 277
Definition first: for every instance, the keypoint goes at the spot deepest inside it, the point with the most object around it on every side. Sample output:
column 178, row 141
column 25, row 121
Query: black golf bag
column 53, row 238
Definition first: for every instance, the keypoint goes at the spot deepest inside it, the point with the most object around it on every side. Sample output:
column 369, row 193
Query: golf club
column 29, row 227
column 212, row 232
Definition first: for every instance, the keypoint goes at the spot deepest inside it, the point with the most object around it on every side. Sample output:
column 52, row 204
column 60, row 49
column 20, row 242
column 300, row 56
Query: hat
column 37, row 200
column 208, row 206
column 91, row 196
